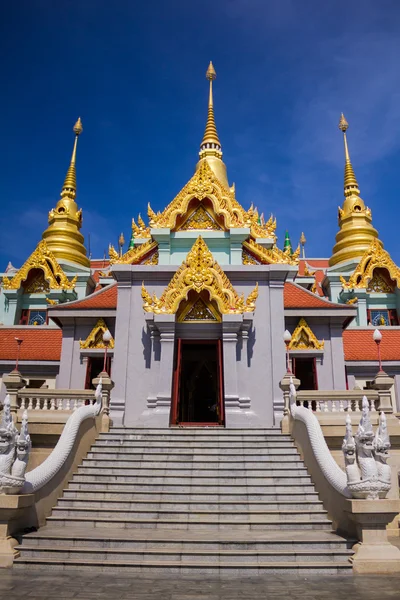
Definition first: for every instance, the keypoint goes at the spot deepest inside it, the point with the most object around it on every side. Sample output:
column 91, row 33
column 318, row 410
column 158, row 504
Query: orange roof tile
column 39, row 343
column 104, row 298
column 295, row 296
column 359, row 344
column 99, row 263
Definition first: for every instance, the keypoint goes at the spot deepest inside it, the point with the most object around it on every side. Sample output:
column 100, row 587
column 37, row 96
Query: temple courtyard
column 46, row 585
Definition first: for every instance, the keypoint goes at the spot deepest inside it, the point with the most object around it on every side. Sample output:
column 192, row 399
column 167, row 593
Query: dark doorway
column 94, row 368
column 305, row 369
column 197, row 395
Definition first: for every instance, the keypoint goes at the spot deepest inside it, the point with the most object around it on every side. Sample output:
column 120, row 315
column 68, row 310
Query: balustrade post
column 13, row 382
column 107, row 385
column 383, row 383
column 284, row 384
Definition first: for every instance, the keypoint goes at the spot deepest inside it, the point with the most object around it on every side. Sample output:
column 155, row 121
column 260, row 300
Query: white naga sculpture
column 367, row 474
column 14, row 451
column 365, row 455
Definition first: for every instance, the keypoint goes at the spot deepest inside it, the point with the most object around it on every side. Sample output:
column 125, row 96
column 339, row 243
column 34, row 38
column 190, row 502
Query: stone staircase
column 194, row 500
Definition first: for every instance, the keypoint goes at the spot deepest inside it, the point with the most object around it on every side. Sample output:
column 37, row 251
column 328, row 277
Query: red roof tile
column 104, row 298
column 100, row 263
column 295, row 296
column 39, row 343
column 359, row 344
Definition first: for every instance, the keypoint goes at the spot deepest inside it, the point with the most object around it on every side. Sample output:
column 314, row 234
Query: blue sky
column 135, row 73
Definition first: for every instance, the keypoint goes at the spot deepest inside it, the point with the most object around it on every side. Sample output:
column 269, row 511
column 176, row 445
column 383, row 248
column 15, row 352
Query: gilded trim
column 268, row 256
column 135, row 255
column 303, row 338
column 95, row 338
column 42, row 258
column 374, row 257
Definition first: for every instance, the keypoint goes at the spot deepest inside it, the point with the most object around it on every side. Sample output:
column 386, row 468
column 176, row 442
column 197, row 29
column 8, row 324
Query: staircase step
column 197, row 523
column 203, row 496
column 189, row 505
column 188, row 568
column 185, row 501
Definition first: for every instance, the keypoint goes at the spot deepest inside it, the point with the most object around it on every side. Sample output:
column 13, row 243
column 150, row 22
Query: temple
column 198, row 304
column 226, row 367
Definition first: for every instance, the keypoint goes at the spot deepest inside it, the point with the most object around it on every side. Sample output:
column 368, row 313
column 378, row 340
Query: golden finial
column 210, row 137
column 343, row 124
column 350, row 181
column 69, row 187
column 302, row 238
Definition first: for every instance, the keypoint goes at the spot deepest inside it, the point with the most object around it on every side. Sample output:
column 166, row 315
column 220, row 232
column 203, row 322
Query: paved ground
column 49, row 586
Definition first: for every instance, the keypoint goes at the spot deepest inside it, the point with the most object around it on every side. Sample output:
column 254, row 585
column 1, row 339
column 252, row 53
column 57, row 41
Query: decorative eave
column 199, row 272
column 374, row 257
column 95, row 338
column 140, row 230
column 41, row 258
column 145, row 253
column 303, row 338
column 267, row 256
column 205, row 184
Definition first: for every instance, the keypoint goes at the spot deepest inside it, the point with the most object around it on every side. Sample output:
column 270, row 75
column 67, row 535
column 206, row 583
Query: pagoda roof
column 296, row 296
column 39, row 343
column 106, row 298
column 359, row 345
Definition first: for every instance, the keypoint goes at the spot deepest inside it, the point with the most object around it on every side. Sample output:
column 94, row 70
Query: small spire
column 69, row 187
column 303, row 243
column 210, row 137
column 287, row 246
column 350, row 181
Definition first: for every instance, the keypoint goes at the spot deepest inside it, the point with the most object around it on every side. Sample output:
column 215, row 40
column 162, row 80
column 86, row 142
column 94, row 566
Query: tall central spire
column 210, row 137
column 210, row 147
column 69, row 187
column 350, row 181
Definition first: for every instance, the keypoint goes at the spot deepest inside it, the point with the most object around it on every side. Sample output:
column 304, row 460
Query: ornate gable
column 200, row 272
column 42, row 258
column 95, row 338
column 363, row 276
column 303, row 338
column 255, row 254
column 145, row 254
column 200, row 218
column 205, row 184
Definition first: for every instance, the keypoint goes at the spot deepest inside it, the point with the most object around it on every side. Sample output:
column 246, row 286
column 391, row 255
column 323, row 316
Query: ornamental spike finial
column 69, row 187
column 350, row 181
column 210, row 137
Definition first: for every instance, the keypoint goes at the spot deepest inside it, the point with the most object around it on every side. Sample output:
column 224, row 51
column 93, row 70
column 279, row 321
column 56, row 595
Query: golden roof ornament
column 356, row 231
column 210, row 147
column 65, row 220
column 199, row 272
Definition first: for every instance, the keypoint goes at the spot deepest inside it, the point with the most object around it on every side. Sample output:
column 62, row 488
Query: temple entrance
column 197, row 391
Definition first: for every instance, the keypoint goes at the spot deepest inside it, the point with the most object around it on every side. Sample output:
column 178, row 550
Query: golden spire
column 350, row 181
column 210, row 147
column 210, row 134
column 62, row 236
column 356, row 231
column 69, row 187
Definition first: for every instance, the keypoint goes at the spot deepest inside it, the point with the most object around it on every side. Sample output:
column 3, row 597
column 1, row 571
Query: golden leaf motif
column 199, row 272
column 200, row 219
column 42, row 258
column 303, row 338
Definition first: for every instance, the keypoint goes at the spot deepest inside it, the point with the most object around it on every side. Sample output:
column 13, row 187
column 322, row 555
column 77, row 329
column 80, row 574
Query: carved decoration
column 205, row 184
column 95, row 338
column 379, row 284
column 199, row 310
column 366, row 455
column 36, row 283
column 199, row 272
column 374, row 257
column 152, row 259
column 14, row 451
column 249, row 259
column 200, row 219
column 42, row 258
column 303, row 338
column 352, row 300
column 134, row 256
column 268, row 256
column 140, row 230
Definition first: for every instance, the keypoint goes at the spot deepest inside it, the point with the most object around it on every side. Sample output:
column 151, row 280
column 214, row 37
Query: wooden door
column 176, row 382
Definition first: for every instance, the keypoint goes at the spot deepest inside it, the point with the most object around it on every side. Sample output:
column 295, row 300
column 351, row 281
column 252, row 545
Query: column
column 231, row 325
column 166, row 326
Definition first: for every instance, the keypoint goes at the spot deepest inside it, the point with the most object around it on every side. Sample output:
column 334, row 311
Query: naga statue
column 368, row 475
column 14, row 451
